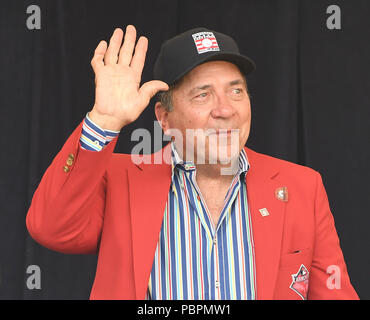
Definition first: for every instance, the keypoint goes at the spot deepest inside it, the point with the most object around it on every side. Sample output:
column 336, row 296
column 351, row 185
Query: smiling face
column 212, row 104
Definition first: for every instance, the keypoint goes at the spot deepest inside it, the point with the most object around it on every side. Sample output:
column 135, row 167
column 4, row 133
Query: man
column 214, row 219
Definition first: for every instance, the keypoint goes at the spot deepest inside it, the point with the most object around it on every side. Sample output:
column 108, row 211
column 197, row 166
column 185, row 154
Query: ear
column 162, row 116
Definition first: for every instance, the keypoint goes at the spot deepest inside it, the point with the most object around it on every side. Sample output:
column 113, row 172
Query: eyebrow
column 238, row 81
column 207, row 86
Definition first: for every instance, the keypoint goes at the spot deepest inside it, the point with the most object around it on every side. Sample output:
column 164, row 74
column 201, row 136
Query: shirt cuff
column 93, row 137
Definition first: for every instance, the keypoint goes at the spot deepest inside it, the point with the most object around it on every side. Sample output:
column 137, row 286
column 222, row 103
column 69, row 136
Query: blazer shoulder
column 285, row 167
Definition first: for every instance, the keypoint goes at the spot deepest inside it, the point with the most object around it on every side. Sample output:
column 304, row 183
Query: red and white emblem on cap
column 205, row 41
column 300, row 282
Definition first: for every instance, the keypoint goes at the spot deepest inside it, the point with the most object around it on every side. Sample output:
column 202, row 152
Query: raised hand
column 119, row 99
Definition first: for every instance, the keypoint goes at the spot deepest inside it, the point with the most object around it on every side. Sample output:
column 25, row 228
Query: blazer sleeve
column 67, row 209
column 329, row 278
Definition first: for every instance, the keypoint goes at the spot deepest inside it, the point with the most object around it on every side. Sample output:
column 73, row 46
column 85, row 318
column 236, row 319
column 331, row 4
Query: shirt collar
column 178, row 162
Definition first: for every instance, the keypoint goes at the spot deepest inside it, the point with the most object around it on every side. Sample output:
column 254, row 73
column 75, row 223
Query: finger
column 98, row 59
column 127, row 48
column 111, row 55
column 149, row 89
column 138, row 60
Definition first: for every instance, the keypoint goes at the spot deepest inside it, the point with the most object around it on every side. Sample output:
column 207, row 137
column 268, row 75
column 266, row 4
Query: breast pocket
column 296, row 258
column 293, row 277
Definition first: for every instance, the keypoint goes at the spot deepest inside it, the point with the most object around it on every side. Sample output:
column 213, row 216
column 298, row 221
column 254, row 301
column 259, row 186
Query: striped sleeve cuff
column 93, row 137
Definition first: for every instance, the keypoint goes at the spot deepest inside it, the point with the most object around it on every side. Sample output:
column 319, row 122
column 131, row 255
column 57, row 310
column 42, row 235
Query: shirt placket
column 201, row 214
column 229, row 202
column 214, row 270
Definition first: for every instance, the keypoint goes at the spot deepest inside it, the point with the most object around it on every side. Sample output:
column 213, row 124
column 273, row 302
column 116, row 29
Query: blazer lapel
column 148, row 187
column 267, row 229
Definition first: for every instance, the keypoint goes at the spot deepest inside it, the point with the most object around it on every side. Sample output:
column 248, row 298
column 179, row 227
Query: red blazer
column 101, row 202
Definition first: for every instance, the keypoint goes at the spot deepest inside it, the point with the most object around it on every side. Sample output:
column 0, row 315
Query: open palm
column 119, row 98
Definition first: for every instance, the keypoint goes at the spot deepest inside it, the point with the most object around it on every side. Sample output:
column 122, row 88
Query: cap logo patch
column 205, row 41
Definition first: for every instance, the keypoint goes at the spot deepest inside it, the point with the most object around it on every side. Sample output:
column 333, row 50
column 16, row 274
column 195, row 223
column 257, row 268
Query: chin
column 223, row 154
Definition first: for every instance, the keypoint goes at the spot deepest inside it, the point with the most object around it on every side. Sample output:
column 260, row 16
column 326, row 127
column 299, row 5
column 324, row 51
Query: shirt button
column 214, row 240
column 66, row 169
column 217, row 284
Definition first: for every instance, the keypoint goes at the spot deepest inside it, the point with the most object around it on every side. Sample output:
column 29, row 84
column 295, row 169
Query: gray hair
column 165, row 97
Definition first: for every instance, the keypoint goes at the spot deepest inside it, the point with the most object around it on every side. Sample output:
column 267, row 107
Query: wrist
column 105, row 122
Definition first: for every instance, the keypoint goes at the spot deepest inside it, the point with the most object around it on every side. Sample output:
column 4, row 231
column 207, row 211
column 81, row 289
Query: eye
column 237, row 93
column 237, row 90
column 202, row 95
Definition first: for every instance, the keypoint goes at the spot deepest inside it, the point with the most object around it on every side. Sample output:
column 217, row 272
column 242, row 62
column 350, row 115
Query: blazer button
column 66, row 169
column 69, row 161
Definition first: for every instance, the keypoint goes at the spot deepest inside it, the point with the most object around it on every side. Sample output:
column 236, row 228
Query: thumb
column 149, row 89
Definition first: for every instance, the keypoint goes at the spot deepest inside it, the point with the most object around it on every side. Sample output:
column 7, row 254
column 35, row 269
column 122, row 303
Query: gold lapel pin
column 282, row 194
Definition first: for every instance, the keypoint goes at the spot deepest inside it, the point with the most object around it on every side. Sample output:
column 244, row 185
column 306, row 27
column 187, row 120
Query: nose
column 223, row 107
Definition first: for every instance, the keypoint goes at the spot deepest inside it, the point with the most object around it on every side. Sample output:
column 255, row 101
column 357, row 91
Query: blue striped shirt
column 195, row 259
column 93, row 137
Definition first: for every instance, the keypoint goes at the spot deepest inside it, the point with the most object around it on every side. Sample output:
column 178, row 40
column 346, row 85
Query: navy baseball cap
column 184, row 52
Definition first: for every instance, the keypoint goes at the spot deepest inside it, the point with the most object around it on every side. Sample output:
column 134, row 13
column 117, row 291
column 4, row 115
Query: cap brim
column 245, row 64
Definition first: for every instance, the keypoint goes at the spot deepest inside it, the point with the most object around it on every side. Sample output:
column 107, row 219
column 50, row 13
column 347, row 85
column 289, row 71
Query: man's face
column 212, row 104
